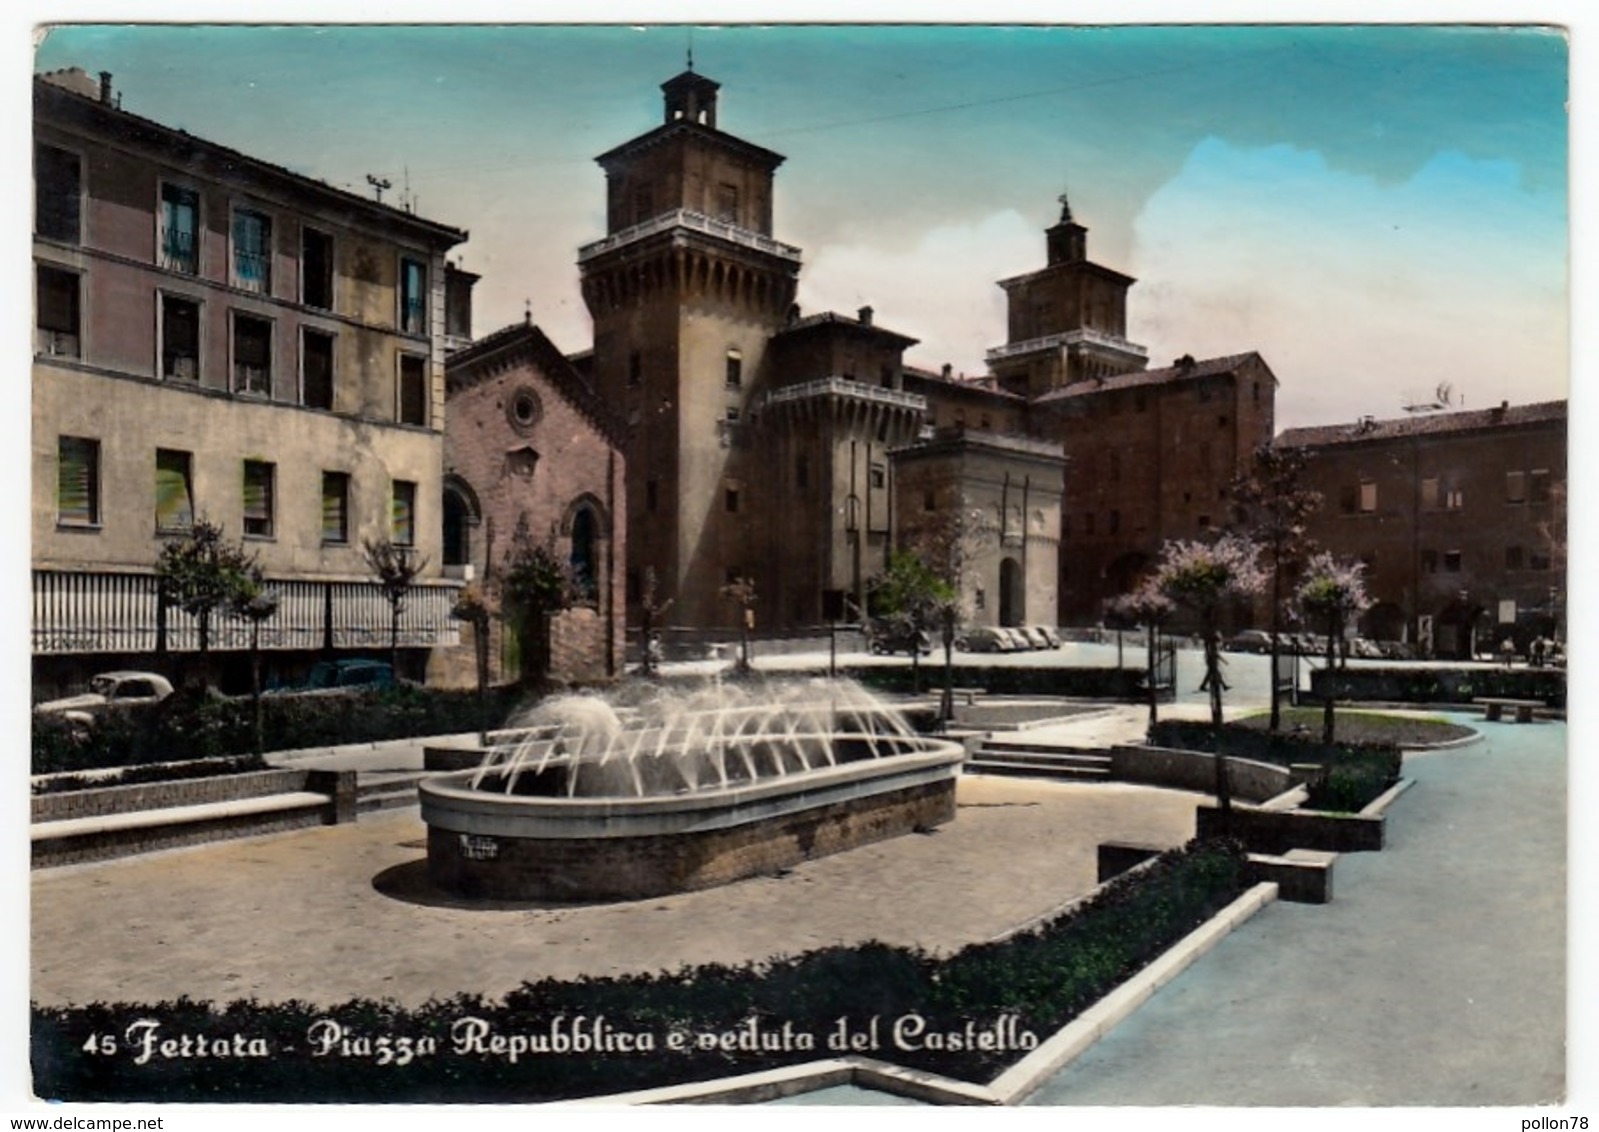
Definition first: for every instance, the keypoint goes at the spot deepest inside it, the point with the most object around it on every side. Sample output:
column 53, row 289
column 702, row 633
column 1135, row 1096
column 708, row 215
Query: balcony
column 1084, row 337
column 846, row 388
column 685, row 219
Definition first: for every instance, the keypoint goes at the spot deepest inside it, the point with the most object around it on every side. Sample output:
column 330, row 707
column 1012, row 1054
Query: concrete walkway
column 1436, row 977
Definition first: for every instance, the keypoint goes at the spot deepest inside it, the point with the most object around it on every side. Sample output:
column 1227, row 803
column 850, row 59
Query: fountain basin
column 498, row 846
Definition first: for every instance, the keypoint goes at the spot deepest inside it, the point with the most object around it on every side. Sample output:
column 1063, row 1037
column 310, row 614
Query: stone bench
column 970, row 694
column 1494, row 706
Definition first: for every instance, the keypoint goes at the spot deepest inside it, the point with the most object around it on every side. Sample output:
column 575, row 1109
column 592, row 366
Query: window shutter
column 174, row 503
column 257, row 498
column 404, row 514
column 77, row 479
column 335, row 489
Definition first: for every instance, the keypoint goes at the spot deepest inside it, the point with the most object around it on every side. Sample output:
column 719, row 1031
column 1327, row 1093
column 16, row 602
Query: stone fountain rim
column 447, row 803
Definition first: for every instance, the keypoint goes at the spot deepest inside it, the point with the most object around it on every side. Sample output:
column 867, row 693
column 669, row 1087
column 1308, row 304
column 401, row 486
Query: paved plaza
column 1436, row 977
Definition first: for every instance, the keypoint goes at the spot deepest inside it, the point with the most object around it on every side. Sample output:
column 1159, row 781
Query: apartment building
column 218, row 337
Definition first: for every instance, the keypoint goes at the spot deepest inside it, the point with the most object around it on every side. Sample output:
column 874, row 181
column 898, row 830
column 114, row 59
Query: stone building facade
column 1459, row 517
column 219, row 337
column 760, row 441
column 530, row 446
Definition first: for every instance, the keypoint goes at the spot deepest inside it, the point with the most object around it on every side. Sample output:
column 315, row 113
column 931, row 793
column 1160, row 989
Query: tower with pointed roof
column 686, row 289
column 1066, row 322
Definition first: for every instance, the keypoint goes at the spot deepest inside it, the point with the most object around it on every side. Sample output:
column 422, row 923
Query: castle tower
column 1067, row 321
column 685, row 290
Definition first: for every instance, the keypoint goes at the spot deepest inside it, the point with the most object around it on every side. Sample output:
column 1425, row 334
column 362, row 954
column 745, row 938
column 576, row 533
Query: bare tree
column 397, row 569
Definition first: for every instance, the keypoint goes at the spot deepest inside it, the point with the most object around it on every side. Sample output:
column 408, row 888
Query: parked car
column 330, row 675
column 887, row 640
column 1252, row 640
column 983, row 638
column 1035, row 636
column 1016, row 640
column 1050, row 635
column 110, row 688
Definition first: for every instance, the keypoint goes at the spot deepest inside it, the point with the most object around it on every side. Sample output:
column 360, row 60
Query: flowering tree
column 1332, row 592
column 1272, row 505
column 1204, row 578
column 1148, row 607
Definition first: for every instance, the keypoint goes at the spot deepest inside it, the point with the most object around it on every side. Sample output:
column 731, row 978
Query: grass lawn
column 1367, row 726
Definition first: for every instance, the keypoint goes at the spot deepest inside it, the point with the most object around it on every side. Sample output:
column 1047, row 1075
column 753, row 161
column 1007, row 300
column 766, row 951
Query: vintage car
column 109, row 689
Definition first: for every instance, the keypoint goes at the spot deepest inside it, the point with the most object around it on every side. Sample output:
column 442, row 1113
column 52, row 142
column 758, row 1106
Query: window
column 1538, row 560
column 335, row 507
column 1368, row 496
column 316, row 369
column 1204, row 522
column 1429, row 494
column 413, row 296
column 635, row 369
column 1429, row 562
column 316, row 269
column 57, row 194
column 58, row 317
column 643, row 204
column 180, row 229
column 584, row 558
column 730, row 499
column 252, row 251
column 1088, row 523
column 413, row 390
column 180, row 339
column 929, row 501
column 1451, row 562
column 258, row 498
column 77, row 482
column 731, row 414
column 879, row 475
column 1515, row 487
column 652, row 494
column 802, row 471
column 1116, row 522
column 1514, row 559
column 735, row 369
column 1538, row 485
column 1454, row 498
column 1115, row 466
column 727, row 203
column 174, row 491
column 1140, row 402
column 402, row 525
column 1221, row 421
column 252, row 355
column 1204, row 455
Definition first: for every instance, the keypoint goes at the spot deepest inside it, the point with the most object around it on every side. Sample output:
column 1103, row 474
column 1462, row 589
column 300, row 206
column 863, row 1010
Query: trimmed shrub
column 728, row 1019
column 1441, row 685
column 1356, row 773
column 190, row 725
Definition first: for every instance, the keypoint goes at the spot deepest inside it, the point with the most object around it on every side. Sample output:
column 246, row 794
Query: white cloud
column 1355, row 294
column 942, row 291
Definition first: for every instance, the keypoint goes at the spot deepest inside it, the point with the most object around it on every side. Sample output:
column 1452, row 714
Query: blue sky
column 1374, row 209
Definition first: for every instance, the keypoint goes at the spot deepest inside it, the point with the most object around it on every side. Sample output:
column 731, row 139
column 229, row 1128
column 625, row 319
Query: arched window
column 461, row 514
column 585, row 556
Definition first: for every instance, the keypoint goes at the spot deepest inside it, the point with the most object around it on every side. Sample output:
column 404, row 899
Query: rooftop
column 1187, row 370
column 1504, row 415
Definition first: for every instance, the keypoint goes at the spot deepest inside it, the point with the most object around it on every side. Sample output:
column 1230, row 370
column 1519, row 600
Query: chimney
column 1185, row 362
column 105, row 88
column 865, row 315
column 948, row 369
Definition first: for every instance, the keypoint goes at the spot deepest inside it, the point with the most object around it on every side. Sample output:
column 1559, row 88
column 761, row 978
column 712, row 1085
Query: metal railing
column 695, row 222
column 1067, row 338
column 845, row 387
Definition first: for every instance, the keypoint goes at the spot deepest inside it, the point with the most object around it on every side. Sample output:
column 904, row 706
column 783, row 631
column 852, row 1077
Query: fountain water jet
column 586, row 799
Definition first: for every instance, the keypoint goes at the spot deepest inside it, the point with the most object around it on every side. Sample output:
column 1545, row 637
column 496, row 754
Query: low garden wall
column 1089, row 683
column 1196, row 770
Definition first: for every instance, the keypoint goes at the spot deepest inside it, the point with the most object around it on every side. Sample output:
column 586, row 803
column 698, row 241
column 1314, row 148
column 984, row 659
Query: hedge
column 1356, row 773
column 1441, row 685
column 1021, row 990
column 189, row 725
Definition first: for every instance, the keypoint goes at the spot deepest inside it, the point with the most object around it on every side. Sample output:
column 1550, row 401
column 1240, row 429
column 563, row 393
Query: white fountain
column 586, row 799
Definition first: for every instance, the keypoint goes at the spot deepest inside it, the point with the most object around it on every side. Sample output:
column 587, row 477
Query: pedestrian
column 1539, row 648
column 1507, row 652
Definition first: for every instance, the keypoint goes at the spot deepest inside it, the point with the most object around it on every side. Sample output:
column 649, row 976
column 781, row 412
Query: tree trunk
column 1333, row 631
column 1224, row 793
column 480, row 647
column 1276, row 635
column 394, row 639
column 1150, row 633
column 946, row 702
column 255, row 683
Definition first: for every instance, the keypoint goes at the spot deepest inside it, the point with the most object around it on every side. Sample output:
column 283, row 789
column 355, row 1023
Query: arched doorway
column 461, row 514
column 1012, row 593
